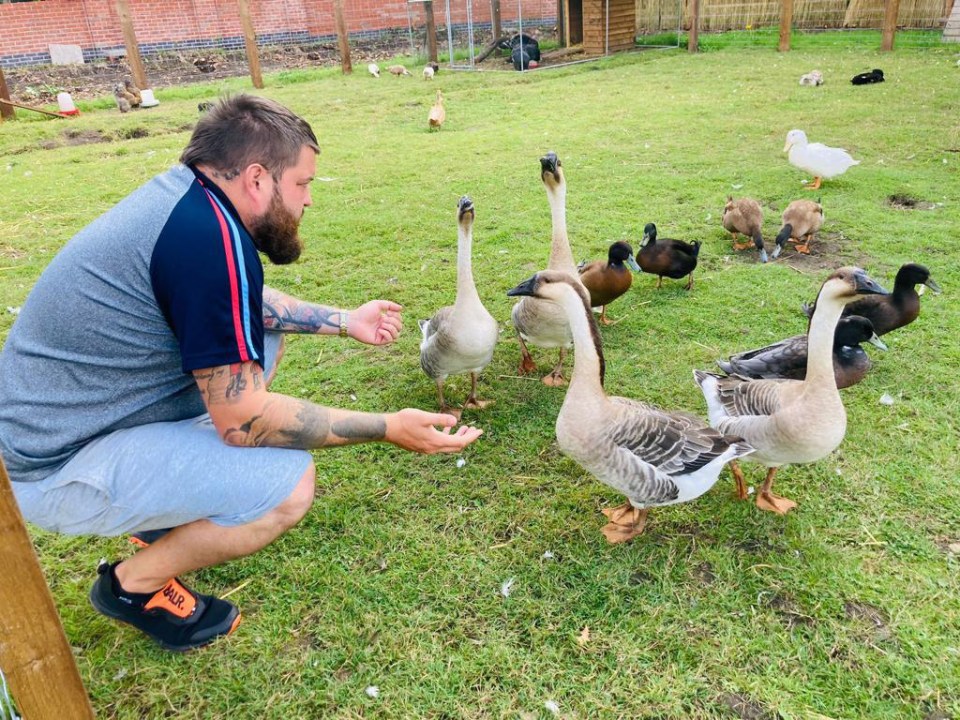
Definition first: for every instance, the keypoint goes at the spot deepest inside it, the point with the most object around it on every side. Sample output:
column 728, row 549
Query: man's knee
column 298, row 502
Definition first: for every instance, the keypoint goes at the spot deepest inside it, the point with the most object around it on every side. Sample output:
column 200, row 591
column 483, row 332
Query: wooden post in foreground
column 346, row 66
column 891, row 11
column 786, row 22
column 34, row 653
column 431, row 32
column 250, row 43
column 693, row 42
column 6, row 111
column 495, row 18
column 130, row 42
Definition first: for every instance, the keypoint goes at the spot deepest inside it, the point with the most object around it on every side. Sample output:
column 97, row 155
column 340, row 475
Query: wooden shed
column 585, row 22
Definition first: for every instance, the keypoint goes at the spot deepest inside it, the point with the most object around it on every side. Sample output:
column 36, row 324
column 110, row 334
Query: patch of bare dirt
column 901, row 201
column 747, row 709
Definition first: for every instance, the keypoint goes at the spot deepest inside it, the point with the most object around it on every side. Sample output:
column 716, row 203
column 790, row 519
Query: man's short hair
column 244, row 129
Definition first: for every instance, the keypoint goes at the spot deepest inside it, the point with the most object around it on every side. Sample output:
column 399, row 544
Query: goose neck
column 588, row 362
column 561, row 257
column 466, row 288
column 820, row 339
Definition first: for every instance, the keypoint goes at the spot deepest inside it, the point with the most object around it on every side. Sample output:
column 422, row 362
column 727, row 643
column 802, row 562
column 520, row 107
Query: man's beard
column 275, row 233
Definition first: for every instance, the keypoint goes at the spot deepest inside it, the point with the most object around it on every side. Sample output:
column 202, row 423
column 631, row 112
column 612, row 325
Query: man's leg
column 203, row 543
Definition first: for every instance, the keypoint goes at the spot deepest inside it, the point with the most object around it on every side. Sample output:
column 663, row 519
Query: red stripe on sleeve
column 234, row 284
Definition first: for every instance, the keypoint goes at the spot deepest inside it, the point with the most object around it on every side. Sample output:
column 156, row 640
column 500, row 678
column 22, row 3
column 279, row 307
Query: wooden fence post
column 34, row 652
column 130, row 42
column 693, row 42
column 786, row 22
column 890, row 14
column 346, row 66
column 431, row 32
column 6, row 111
column 495, row 18
column 250, row 43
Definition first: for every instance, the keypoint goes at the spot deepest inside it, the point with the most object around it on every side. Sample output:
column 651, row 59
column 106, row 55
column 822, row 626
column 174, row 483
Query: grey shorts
column 162, row 475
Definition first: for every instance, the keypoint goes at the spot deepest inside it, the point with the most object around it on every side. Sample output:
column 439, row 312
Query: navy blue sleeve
column 208, row 280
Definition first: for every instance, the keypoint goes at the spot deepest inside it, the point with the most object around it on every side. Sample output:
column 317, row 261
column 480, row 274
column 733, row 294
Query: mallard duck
column 606, row 281
column 789, row 421
column 899, row 308
column 460, row 338
column 437, row 113
column 744, row 216
column 801, row 220
column 787, row 359
column 818, row 159
column 673, row 258
column 652, row 456
column 540, row 322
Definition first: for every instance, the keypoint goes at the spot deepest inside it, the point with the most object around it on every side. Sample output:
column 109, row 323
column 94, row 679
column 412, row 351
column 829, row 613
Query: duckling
column 606, row 281
column 818, row 159
column 460, row 338
column 398, row 70
column 673, row 258
column 899, row 308
column 541, row 322
column 789, row 421
column 787, row 359
column 652, row 456
column 744, row 216
column 437, row 113
column 374, row 69
column 801, row 220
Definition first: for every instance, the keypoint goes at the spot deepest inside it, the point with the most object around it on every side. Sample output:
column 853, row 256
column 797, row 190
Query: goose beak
column 877, row 342
column 525, row 288
column 465, row 205
column 549, row 164
column 865, row 285
column 632, row 264
column 930, row 283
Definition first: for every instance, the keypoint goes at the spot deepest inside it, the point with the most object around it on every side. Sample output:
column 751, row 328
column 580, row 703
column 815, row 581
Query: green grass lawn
column 849, row 607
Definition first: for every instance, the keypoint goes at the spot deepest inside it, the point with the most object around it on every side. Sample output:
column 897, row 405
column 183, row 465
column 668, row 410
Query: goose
column 789, row 421
column 801, row 220
column 537, row 321
column 744, row 216
column 787, row 359
column 606, row 281
column 652, row 456
column 673, row 258
column 899, row 308
column 821, row 161
column 437, row 113
column 460, row 338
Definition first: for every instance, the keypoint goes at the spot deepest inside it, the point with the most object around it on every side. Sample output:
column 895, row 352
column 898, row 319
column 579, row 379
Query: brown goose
column 789, row 421
column 652, row 456
column 899, row 308
column 787, row 359
column 540, row 322
column 606, row 281
column 460, row 338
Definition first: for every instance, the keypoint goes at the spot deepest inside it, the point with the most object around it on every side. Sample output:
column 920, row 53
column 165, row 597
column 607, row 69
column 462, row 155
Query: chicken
column 122, row 97
column 398, row 70
column 134, row 91
column 373, row 69
column 428, row 73
column 437, row 113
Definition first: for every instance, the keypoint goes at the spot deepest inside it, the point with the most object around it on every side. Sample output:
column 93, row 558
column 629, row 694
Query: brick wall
column 27, row 29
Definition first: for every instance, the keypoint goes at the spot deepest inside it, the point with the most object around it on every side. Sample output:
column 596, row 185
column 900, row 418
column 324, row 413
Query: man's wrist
column 344, row 319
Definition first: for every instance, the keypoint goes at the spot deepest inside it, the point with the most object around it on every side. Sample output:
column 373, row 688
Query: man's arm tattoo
column 363, row 428
column 282, row 313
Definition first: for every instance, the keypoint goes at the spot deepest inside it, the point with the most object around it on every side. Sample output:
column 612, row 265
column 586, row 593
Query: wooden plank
column 250, row 43
column 891, row 11
column 346, row 66
column 130, row 42
column 786, row 22
column 11, row 103
column 432, row 32
column 6, row 111
column 34, row 652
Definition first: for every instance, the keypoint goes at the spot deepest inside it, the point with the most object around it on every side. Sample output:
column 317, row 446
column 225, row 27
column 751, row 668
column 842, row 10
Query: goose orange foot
column 527, row 365
column 626, row 523
column 448, row 410
column 554, row 378
column 774, row 503
column 473, row 404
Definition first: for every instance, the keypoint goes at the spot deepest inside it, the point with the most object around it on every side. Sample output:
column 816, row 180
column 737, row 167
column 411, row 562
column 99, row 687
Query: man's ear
column 257, row 185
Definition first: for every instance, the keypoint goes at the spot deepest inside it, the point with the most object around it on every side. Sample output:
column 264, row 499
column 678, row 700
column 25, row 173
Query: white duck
column 652, row 456
column 460, row 338
column 541, row 322
column 790, row 421
column 818, row 159
column 373, row 69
